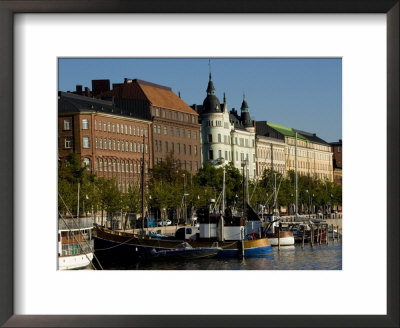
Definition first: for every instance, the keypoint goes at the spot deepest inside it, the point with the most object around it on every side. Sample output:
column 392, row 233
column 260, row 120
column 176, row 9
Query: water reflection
column 317, row 257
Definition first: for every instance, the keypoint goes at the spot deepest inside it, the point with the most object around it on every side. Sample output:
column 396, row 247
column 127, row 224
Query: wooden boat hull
column 125, row 246
column 257, row 247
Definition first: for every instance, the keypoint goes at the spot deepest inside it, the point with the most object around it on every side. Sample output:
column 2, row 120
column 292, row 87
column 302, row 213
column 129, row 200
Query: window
column 190, row 150
column 246, row 142
column 160, row 146
column 176, row 116
column 130, row 129
column 135, row 168
column 165, row 130
column 68, row 124
column 109, row 144
column 178, row 132
column 210, row 138
column 114, row 166
column 181, row 117
column 171, row 132
column 96, row 143
column 339, row 149
column 193, row 119
column 113, row 127
column 122, row 146
column 194, row 135
column 95, row 124
column 131, row 146
column 68, row 142
column 155, row 129
column 126, row 129
column 130, row 167
column 86, row 161
column 158, row 129
column 109, row 126
column 85, row 124
column 114, row 144
column 127, row 167
column 219, row 154
column 100, row 165
column 210, row 154
column 126, row 145
column 226, row 155
column 166, row 146
column 86, row 142
column 100, row 125
column 105, row 166
column 119, row 145
column 122, row 166
column 172, row 147
column 118, row 127
column 195, row 150
column 187, row 117
column 219, row 138
column 105, row 143
column 179, row 148
column 141, row 132
column 189, row 134
column 163, row 113
column 170, row 115
column 101, row 143
column 134, row 147
column 134, row 130
column 183, row 133
column 184, row 149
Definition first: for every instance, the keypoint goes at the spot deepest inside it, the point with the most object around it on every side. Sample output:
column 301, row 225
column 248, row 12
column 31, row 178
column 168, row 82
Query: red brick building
column 175, row 124
column 337, row 161
column 109, row 139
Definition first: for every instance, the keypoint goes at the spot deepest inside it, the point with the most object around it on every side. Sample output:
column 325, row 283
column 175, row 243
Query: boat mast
column 244, row 189
column 142, row 182
column 295, row 154
column 223, row 191
column 77, row 210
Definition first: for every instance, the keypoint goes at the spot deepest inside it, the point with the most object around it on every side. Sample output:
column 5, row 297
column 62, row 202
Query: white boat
column 75, row 243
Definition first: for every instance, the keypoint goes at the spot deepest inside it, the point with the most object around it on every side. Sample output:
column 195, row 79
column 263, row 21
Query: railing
column 76, row 249
column 74, row 223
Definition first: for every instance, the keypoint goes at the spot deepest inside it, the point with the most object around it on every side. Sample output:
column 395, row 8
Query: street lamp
column 308, row 206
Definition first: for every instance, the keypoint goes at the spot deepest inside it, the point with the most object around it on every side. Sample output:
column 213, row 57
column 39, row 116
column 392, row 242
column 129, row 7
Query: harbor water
column 317, row 257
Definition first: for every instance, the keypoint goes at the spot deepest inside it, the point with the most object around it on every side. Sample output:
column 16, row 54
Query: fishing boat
column 75, row 243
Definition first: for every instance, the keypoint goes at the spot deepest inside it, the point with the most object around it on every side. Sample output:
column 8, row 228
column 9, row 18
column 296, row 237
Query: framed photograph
column 35, row 35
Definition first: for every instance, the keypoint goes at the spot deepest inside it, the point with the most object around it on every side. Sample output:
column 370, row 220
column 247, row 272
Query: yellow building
column 314, row 155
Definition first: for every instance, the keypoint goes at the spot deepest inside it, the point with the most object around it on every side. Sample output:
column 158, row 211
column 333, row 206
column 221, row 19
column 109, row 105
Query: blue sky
column 305, row 94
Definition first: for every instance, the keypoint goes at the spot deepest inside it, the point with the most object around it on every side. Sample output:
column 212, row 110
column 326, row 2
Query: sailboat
column 125, row 247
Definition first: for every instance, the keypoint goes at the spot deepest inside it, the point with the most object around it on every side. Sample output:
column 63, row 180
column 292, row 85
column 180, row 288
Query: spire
column 210, row 87
column 224, row 98
column 245, row 115
column 245, row 107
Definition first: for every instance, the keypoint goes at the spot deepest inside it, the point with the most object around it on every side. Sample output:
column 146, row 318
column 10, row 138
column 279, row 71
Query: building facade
column 110, row 140
column 314, row 156
column 226, row 136
column 175, row 128
column 270, row 155
column 337, row 150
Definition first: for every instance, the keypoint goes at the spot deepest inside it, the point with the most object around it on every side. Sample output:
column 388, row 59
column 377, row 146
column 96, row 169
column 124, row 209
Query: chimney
column 100, row 86
column 87, row 92
column 126, row 80
column 79, row 90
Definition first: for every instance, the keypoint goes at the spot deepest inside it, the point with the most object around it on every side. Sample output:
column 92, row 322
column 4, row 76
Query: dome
column 211, row 105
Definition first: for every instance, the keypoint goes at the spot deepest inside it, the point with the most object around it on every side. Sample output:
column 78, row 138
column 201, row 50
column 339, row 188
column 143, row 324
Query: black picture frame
column 7, row 10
